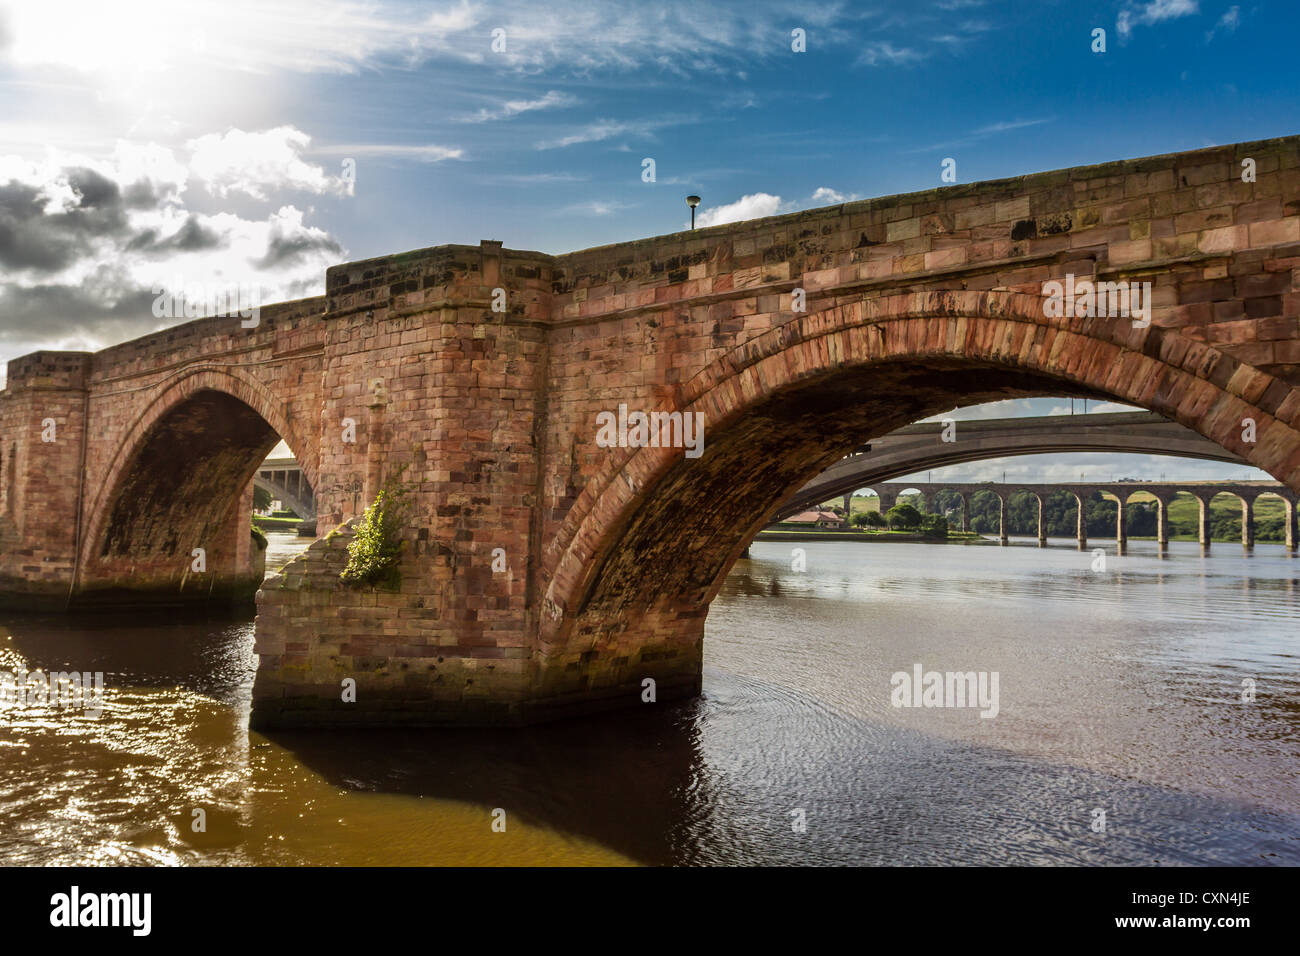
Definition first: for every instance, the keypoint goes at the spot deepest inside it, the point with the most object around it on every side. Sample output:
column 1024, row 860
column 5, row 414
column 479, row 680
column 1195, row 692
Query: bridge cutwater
column 116, row 465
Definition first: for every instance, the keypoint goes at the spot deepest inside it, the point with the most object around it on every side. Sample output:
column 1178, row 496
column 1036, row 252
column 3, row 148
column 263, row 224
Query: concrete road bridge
column 283, row 478
column 549, row 569
column 928, row 445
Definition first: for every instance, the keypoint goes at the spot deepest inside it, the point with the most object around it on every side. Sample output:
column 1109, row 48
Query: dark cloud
column 285, row 250
column 144, row 194
column 31, row 238
column 51, row 312
column 97, row 191
column 193, row 236
column 98, row 228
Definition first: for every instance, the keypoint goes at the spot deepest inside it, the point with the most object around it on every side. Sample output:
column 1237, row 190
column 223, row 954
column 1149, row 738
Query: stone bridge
column 926, row 445
column 481, row 372
column 1120, row 491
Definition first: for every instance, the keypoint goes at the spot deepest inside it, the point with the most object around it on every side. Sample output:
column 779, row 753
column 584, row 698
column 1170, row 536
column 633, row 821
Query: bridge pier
column 1121, row 528
column 1081, row 522
column 965, row 513
column 1203, row 522
column 1042, row 527
column 1162, row 524
column 1290, row 524
column 1247, row 522
column 1002, row 520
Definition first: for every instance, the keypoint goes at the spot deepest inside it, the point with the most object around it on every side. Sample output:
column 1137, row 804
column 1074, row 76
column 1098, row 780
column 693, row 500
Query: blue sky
column 215, row 133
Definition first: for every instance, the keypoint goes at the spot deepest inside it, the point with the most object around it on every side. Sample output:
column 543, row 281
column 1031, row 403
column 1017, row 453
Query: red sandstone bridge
column 116, row 466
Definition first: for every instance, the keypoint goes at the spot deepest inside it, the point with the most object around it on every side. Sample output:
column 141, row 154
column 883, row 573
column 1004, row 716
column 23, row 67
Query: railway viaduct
column 1247, row 492
column 484, row 372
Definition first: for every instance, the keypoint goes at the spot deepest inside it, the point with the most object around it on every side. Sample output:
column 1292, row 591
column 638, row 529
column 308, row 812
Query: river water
column 1119, row 692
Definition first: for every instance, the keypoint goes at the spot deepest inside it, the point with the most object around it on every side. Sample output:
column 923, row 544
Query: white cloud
column 348, row 36
column 257, row 163
column 1228, row 23
column 532, row 179
column 882, row 52
column 510, row 108
column 596, row 207
column 754, row 206
column 825, row 196
column 983, row 132
column 1003, row 127
column 604, row 129
column 1153, row 12
column 425, row 154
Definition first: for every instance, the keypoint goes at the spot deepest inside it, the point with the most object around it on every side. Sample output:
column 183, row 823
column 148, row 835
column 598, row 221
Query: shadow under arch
column 781, row 408
column 178, row 482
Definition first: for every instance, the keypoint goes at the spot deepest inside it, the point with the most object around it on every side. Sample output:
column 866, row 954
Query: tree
column 261, row 498
column 873, row 519
column 934, row 526
column 904, row 517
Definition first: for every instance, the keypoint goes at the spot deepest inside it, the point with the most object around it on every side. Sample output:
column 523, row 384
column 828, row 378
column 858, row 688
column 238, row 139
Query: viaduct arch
column 915, row 304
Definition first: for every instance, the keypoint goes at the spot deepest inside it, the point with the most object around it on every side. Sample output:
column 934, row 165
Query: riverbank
column 954, row 537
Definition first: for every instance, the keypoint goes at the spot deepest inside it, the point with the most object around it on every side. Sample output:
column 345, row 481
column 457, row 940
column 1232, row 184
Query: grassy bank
column 791, row 535
column 264, row 524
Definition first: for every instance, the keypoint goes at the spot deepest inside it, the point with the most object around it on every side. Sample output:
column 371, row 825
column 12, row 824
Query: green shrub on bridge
column 376, row 548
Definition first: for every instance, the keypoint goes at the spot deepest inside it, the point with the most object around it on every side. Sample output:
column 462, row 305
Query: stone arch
column 1288, row 500
column 943, row 493
column 1246, row 522
column 918, row 495
column 876, row 491
column 238, row 418
column 910, row 354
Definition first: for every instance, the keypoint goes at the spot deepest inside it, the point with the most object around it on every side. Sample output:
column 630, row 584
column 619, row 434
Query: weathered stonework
column 915, row 304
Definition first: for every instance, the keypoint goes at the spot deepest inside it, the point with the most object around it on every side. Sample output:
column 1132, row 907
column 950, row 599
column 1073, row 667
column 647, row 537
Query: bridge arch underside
column 186, row 485
column 648, row 544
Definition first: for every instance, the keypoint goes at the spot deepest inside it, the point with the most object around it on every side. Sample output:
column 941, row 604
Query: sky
column 257, row 142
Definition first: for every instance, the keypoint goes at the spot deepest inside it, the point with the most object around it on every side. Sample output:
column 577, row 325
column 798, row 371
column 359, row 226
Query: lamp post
column 692, row 201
